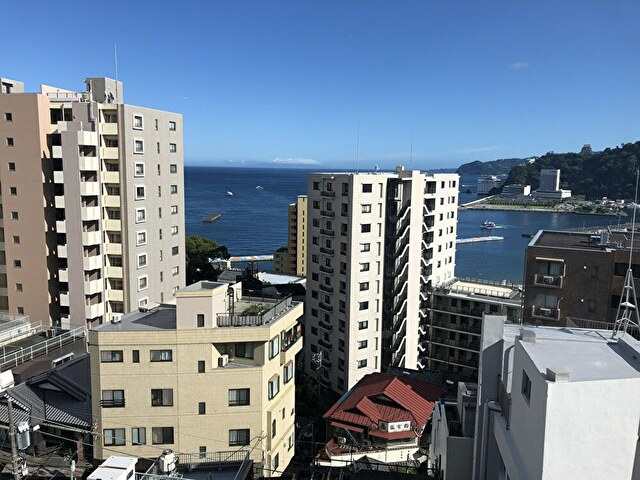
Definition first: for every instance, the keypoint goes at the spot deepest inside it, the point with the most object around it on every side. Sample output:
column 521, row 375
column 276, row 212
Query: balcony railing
column 325, row 344
column 114, row 403
column 327, row 193
column 327, row 213
column 325, row 325
column 328, row 251
column 327, row 231
column 548, row 280
column 453, row 326
column 326, row 306
column 545, row 312
column 325, row 269
column 472, row 312
column 242, row 320
column 326, row 288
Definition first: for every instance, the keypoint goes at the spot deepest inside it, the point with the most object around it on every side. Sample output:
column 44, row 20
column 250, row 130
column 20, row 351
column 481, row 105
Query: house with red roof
column 382, row 417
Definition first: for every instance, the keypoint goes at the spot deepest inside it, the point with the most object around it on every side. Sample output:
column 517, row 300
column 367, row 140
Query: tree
column 198, row 251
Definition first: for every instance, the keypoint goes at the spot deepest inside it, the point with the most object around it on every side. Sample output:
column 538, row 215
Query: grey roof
column 162, row 317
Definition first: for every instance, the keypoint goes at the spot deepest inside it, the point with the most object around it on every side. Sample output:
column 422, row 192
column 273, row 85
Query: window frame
column 138, row 142
column 134, row 126
column 161, row 355
column 242, row 397
column 113, row 439
column 239, row 437
column 163, row 433
column 162, row 397
column 136, row 173
column 113, row 356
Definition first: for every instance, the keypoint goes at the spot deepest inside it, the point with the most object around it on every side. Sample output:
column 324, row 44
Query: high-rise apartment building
column 92, row 203
column 292, row 258
column 377, row 244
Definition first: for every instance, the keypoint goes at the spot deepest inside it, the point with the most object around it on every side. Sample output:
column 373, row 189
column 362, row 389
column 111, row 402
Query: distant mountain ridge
column 494, row 167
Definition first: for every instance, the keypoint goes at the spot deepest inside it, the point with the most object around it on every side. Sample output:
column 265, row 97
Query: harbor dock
column 488, row 238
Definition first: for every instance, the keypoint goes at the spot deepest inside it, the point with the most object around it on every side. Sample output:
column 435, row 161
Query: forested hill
column 610, row 173
column 494, row 167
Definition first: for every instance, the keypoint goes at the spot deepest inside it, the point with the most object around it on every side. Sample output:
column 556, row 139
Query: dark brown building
column 577, row 275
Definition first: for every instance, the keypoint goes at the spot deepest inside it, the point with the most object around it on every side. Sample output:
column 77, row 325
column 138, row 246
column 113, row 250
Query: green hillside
column 494, row 167
column 610, row 173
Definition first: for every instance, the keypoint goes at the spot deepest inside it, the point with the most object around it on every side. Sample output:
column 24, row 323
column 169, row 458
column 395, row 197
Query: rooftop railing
column 255, row 320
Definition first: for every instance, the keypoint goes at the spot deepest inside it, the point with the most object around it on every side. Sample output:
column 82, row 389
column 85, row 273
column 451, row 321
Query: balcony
column 111, row 177
column 471, row 312
column 326, row 193
column 325, row 269
column 112, row 225
column 553, row 281
column 94, row 311
column 58, row 176
column 63, row 275
column 89, row 213
column 89, row 164
column 61, row 226
column 108, row 129
column 255, row 311
column 93, row 286
column 113, row 248
column 326, row 288
column 327, row 231
column 290, row 337
column 326, row 307
column 115, row 295
column 64, row 299
column 114, row 272
column 62, row 251
column 111, row 201
column 59, row 201
column 327, row 213
column 325, row 344
column 453, row 327
column 56, row 151
column 92, row 263
column 545, row 313
column 325, row 325
column 91, row 238
column 109, row 153
column 90, row 189
column 114, row 403
column 328, row 251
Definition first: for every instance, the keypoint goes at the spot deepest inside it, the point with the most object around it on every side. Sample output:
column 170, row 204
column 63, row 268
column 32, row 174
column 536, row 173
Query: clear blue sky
column 284, row 82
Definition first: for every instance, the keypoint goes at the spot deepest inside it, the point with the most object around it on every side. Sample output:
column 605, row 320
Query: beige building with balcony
column 89, row 183
column 214, row 372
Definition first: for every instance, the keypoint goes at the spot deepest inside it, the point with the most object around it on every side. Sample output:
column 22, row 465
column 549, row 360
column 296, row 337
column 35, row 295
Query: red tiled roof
column 389, row 398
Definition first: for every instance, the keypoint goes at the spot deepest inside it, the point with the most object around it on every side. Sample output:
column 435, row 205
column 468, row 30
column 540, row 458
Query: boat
column 229, row 194
column 259, row 187
column 488, row 225
column 212, row 217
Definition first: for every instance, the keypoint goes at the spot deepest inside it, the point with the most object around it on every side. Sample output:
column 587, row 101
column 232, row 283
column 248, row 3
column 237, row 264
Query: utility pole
column 12, row 437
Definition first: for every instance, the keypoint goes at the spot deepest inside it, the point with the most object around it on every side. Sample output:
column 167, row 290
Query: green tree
column 198, row 251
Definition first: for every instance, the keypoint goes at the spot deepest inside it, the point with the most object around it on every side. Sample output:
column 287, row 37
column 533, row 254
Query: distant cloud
column 519, row 66
column 294, row 161
column 477, row 150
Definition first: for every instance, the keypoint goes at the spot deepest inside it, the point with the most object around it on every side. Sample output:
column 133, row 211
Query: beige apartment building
column 292, row 258
column 89, row 183
column 377, row 245
column 215, row 372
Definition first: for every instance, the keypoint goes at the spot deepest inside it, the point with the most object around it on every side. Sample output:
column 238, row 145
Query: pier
column 488, row 238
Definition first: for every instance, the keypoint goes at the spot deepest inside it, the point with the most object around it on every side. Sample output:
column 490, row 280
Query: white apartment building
column 377, row 243
column 93, row 197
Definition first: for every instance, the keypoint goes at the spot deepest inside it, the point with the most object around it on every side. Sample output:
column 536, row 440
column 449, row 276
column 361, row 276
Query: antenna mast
column 629, row 289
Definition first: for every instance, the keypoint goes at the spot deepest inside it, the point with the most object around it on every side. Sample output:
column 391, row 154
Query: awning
column 393, row 435
column 353, row 428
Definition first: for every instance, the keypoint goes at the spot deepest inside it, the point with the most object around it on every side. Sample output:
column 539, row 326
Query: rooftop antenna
column 358, row 150
column 627, row 307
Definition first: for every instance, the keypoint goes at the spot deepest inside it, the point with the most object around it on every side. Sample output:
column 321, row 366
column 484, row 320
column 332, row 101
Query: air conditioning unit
column 366, row 443
column 341, row 440
column 167, row 461
column 223, row 360
column 116, row 317
column 548, row 279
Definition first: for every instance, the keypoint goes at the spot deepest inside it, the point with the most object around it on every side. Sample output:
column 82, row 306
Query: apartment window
column 12, row 166
column 202, row 408
column 142, row 260
column 202, row 451
column 290, row 446
column 139, row 436
column 160, row 216
column 141, row 215
column 174, row 230
column 159, row 170
column 274, row 428
column 274, row 347
column 173, row 148
column 143, row 283
column 200, row 320
column 161, row 397
column 140, row 192
column 14, row 216
column 135, row 356
column 112, row 398
column 172, row 126
column 239, row 437
column 143, row 302
column 111, row 356
column 244, row 350
column 114, row 436
column 364, row 267
column 174, row 250
column 138, row 146
column 174, row 189
column 288, row 372
column 137, row 122
column 201, row 366
column 362, row 363
column 362, row 344
column 20, row 310
column 274, row 386
column 363, row 305
column 366, row 208
column 8, row 117
column 162, row 435
column 316, row 205
column 526, row 386
column 161, row 355
column 365, row 228
column 141, row 238
column 18, row 287
column 592, row 305
column 173, row 168
column 17, row 264
column 158, row 148
column 365, row 247
column 174, row 209
column 363, row 325
column 239, row 396
column 13, row 191
column 316, row 185
column 364, row 286
column 367, row 188
column 314, row 240
column 595, row 271
column 276, row 461
column 175, row 270
column 10, row 142
column 138, row 169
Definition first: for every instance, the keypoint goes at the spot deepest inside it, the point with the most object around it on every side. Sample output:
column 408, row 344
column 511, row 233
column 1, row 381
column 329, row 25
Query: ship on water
column 212, row 217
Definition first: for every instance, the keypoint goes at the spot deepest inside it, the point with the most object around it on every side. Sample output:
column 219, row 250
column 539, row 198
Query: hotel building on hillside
column 89, row 184
column 377, row 244
column 292, row 258
column 215, row 372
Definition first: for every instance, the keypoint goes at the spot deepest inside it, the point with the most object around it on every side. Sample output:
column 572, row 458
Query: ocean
column 254, row 221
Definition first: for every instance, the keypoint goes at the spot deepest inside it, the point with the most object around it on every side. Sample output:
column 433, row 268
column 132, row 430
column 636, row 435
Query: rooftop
column 594, row 241
column 486, row 288
column 585, row 355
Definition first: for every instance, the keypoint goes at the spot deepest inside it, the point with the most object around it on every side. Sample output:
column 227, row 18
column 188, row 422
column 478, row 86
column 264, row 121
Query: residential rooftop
column 577, row 354
column 605, row 241
column 483, row 289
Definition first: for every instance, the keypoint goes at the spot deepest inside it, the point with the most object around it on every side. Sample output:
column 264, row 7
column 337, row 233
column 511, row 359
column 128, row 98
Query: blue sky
column 287, row 82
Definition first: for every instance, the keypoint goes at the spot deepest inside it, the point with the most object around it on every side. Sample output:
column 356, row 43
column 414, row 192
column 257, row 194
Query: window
column 595, row 271
column 202, row 408
column 173, row 168
column 112, row 398
column 362, row 344
column 244, row 350
column 239, row 396
column 173, row 148
column 174, row 250
column 10, row 142
column 174, row 189
column 114, row 436
column 364, row 267
column 364, row 286
column 172, row 126
column 274, row 347
column 201, row 366
column 17, row 264
column 13, row 191
column 139, row 169
column 288, row 372
column 161, row 397
column 111, row 356
column 274, row 386
column 143, row 283
column 137, row 122
column 239, row 437
column 592, row 305
column 16, row 239
column 316, row 205
column 141, row 238
column 161, row 355
column 365, row 247
column 138, row 146
column 362, row 363
column 366, row 208
column 136, row 356
column 174, row 209
column 366, row 188
column 365, row 228
column 526, row 386
column 140, row 192
column 139, row 436
column 20, row 310
column 158, row 147
column 363, row 325
column 141, row 215
column 175, row 270
column 174, row 230
column 290, row 446
column 316, row 185
column 200, row 320
column 8, row 117
column 18, row 287
column 12, row 166
column 14, row 216
column 162, row 435
column 202, row 451
column 274, row 428
column 276, row 460
column 142, row 260
column 363, row 305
